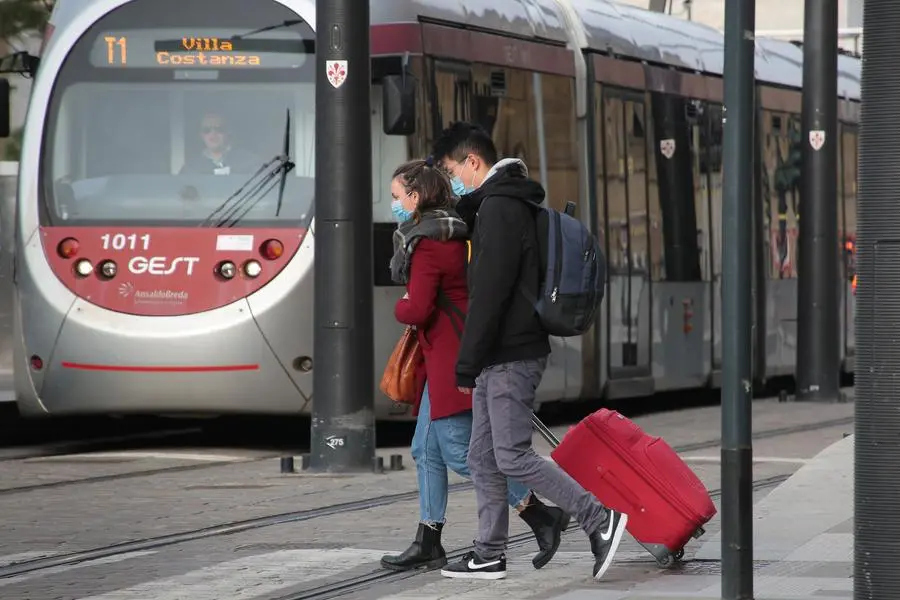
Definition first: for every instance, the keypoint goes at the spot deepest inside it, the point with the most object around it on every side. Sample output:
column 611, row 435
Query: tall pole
column 876, row 503
column 343, row 417
column 818, row 311
column 737, row 296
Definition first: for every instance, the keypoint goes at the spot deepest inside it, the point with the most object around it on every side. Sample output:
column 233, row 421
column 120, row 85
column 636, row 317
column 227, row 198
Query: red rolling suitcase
column 640, row 475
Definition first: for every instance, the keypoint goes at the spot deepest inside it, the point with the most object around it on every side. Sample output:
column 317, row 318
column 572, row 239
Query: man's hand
column 465, row 390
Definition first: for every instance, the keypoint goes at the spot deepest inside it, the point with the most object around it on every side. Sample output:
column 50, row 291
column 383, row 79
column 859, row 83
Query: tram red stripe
column 160, row 369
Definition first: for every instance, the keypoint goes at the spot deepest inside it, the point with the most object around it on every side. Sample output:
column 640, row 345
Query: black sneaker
column 605, row 541
column 471, row 566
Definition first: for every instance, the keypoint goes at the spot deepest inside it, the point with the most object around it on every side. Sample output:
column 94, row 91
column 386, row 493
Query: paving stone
column 266, row 563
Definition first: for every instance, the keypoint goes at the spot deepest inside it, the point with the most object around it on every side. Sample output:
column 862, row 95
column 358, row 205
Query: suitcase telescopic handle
column 544, row 431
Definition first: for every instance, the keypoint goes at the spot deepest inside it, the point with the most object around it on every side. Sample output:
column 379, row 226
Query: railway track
column 280, row 438
column 235, row 527
column 94, row 444
column 383, row 576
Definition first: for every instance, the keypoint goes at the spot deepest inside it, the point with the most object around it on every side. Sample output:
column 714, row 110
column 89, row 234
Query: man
column 504, row 353
column 218, row 157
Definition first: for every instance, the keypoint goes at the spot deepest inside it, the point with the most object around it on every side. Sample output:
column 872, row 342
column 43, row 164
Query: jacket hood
column 509, row 178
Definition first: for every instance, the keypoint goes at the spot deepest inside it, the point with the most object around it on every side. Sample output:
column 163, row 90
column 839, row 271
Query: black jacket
column 501, row 324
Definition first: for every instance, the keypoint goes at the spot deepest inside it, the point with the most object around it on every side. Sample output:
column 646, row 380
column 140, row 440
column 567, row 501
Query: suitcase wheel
column 668, row 561
column 664, row 558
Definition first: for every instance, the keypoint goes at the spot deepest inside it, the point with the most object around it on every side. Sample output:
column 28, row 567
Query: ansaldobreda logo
column 127, row 290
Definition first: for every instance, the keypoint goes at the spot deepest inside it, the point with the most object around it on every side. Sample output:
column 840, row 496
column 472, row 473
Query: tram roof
column 619, row 29
column 536, row 19
column 633, row 32
column 608, row 27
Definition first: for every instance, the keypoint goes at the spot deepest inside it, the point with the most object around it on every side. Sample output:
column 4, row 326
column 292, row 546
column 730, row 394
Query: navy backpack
column 573, row 280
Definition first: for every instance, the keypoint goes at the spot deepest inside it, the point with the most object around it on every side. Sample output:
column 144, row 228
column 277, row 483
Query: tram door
column 629, row 303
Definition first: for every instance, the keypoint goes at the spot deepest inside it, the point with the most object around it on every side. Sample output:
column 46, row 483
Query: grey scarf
column 440, row 225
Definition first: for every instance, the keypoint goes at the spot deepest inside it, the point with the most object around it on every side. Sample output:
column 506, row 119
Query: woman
column 430, row 256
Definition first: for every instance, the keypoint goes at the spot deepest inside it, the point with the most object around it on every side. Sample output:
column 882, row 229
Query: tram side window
column 504, row 104
column 616, row 188
column 420, row 142
column 697, row 120
column 654, row 213
column 771, row 125
column 560, row 141
column 451, row 94
column 711, row 166
column 600, row 152
column 781, row 167
column 635, row 132
column 849, row 191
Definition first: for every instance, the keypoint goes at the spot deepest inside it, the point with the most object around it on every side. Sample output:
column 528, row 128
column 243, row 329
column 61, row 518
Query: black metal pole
column 737, row 290
column 343, row 417
column 877, row 444
column 818, row 311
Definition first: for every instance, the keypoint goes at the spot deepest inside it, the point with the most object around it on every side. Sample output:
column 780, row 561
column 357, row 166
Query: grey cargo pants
column 500, row 447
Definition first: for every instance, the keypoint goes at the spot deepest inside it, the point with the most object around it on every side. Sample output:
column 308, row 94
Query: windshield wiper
column 266, row 175
column 287, row 152
column 282, row 25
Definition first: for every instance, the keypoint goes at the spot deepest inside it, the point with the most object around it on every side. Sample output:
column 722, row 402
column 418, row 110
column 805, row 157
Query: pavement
column 217, row 524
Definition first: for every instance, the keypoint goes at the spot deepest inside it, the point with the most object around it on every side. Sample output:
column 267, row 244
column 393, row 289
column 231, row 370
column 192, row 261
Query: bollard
column 378, row 464
column 396, row 462
column 783, row 396
column 304, row 461
column 287, row 464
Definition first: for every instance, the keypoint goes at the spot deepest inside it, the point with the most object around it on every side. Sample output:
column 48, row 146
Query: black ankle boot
column 425, row 551
column 547, row 523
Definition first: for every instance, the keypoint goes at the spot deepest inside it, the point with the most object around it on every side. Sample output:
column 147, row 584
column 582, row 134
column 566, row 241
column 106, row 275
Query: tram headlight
column 84, row 267
column 227, row 269
column 109, row 269
column 252, row 268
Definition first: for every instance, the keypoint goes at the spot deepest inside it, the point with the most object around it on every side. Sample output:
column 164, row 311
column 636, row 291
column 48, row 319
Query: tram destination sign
column 199, row 49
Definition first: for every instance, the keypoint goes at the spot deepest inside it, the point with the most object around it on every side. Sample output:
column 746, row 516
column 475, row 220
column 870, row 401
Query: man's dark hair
column 461, row 139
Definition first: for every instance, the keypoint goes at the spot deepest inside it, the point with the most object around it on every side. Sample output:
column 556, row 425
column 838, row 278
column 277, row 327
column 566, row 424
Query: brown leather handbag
column 399, row 380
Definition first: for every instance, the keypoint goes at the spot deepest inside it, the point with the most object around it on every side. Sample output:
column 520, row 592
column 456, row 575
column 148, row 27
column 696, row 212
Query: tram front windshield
column 168, row 112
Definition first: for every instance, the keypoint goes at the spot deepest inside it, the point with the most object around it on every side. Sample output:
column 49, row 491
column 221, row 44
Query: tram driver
column 218, row 156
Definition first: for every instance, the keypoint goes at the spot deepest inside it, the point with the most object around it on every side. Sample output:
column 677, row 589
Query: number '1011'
column 120, row 241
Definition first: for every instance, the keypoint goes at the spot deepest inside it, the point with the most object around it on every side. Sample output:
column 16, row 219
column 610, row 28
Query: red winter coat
column 437, row 264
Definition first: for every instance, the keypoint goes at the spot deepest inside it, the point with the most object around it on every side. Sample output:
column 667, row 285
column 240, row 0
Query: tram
column 145, row 285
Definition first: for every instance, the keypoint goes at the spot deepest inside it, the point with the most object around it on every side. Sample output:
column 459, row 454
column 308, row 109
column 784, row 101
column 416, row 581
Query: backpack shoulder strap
column 450, row 309
column 532, row 299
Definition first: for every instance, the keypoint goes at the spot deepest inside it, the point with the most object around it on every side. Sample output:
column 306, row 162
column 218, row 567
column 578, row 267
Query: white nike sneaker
column 605, row 541
column 472, row 566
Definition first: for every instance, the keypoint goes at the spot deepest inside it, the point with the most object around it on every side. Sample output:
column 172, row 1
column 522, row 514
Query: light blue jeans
column 440, row 445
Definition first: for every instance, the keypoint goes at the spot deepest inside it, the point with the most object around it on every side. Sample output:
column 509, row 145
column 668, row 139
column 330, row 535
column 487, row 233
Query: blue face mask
column 401, row 215
column 459, row 188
